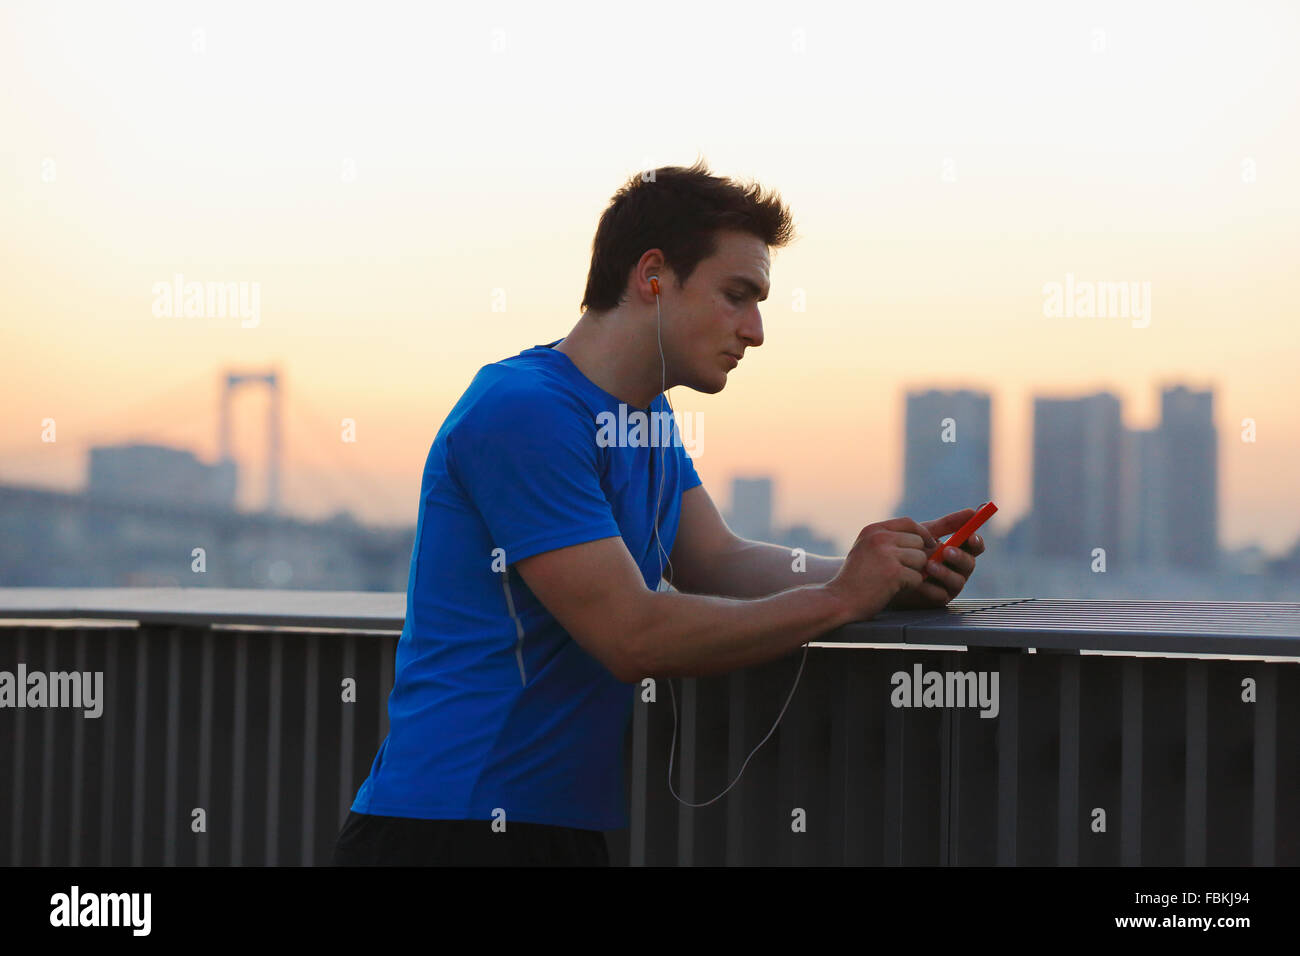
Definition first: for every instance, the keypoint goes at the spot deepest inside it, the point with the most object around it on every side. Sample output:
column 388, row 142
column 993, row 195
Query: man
column 534, row 596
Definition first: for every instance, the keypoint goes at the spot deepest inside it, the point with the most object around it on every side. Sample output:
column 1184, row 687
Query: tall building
column 1190, row 490
column 750, row 516
column 945, row 453
column 751, row 508
column 1142, row 496
column 1078, row 444
column 162, row 475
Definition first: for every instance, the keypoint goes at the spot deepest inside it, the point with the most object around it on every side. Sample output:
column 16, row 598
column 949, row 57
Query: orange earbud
column 654, row 284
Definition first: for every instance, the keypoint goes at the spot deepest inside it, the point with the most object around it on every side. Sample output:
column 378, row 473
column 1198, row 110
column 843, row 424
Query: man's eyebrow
column 748, row 284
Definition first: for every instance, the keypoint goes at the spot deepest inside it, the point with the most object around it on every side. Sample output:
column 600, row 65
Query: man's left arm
column 708, row 558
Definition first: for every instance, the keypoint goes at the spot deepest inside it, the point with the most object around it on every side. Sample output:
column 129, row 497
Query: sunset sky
column 379, row 170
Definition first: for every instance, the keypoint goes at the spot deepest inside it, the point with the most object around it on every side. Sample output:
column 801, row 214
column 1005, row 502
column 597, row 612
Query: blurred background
column 252, row 254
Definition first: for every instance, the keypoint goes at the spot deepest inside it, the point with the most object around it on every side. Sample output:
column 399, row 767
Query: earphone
column 663, row 556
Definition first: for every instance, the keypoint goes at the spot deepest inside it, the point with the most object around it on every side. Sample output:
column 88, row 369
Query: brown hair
column 679, row 210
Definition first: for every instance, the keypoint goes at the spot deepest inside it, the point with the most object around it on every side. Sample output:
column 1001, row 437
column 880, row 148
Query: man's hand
column 886, row 558
column 944, row 581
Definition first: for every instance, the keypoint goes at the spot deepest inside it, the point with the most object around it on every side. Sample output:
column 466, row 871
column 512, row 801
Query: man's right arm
column 597, row 594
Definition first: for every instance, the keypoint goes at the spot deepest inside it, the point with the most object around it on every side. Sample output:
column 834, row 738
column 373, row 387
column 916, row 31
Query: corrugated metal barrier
column 234, row 747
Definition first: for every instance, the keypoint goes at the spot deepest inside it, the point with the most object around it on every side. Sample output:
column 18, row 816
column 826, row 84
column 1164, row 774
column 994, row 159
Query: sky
column 413, row 192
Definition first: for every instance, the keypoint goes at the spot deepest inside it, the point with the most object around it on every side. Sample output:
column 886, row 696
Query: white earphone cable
column 663, row 555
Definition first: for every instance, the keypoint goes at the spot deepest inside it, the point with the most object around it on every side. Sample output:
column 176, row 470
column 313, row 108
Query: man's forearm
column 757, row 569
column 695, row 635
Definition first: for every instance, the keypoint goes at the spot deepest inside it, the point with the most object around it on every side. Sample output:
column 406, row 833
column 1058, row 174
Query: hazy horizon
column 381, row 178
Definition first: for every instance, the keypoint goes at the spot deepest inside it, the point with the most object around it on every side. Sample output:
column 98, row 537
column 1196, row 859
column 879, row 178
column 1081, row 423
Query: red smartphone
column 958, row 538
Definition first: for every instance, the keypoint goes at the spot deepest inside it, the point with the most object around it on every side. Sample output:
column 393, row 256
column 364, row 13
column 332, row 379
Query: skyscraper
column 751, row 508
column 945, row 453
column 1189, row 453
column 1142, row 496
column 1077, row 478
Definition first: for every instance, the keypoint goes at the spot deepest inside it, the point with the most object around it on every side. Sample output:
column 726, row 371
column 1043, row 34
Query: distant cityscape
column 1116, row 513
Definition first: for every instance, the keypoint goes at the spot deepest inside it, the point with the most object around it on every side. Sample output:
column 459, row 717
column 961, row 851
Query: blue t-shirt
column 494, row 705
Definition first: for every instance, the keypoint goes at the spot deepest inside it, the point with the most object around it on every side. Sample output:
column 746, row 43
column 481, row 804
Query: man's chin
column 709, row 386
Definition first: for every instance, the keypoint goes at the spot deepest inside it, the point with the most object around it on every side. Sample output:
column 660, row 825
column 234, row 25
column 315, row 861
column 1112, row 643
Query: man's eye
column 734, row 297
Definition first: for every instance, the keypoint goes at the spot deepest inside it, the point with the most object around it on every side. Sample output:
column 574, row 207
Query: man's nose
column 752, row 331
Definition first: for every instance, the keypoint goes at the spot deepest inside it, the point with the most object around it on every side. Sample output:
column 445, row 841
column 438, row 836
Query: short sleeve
column 526, row 456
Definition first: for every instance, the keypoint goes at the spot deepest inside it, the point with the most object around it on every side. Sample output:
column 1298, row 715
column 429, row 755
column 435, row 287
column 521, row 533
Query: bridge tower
column 272, row 379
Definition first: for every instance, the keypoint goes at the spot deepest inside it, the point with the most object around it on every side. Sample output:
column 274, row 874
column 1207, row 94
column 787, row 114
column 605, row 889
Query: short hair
column 679, row 210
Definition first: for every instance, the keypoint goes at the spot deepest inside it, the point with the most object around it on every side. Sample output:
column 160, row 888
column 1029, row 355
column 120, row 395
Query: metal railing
column 226, row 739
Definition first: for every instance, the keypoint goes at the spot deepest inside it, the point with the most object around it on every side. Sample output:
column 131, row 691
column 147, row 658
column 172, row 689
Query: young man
column 534, row 596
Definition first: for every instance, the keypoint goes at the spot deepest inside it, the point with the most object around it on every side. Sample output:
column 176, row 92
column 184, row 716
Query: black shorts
column 370, row 840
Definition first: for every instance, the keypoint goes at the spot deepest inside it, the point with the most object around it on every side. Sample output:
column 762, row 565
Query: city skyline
column 1121, row 500
column 968, row 229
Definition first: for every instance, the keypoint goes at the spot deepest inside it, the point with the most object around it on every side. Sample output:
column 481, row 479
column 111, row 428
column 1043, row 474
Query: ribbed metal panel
column 250, row 727
column 247, row 726
column 1092, row 760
